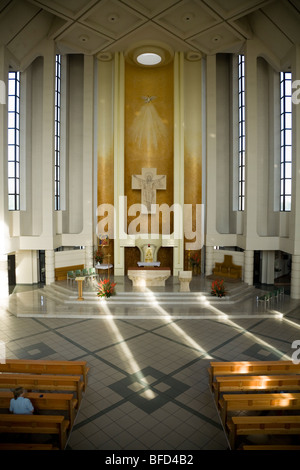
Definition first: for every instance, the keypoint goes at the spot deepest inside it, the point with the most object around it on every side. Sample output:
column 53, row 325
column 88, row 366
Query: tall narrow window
column 285, row 141
column 13, row 141
column 242, row 132
column 57, row 131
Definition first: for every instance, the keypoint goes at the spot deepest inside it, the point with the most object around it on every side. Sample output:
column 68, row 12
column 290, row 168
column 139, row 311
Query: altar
column 148, row 276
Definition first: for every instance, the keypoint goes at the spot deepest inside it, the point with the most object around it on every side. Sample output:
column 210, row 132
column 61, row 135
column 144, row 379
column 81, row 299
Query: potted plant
column 106, row 288
column 195, row 262
column 218, row 288
column 98, row 256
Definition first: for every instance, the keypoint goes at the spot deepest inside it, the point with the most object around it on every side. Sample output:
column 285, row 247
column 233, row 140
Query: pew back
column 262, row 383
column 35, row 424
column 266, row 425
column 259, row 402
column 46, row 401
column 43, row 383
column 251, row 368
column 32, row 366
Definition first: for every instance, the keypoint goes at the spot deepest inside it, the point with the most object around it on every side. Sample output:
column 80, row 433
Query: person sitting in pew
column 19, row 404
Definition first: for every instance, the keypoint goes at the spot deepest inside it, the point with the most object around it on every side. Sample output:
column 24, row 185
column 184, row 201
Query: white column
column 88, row 148
column 49, row 266
column 211, row 158
column 209, row 260
column 47, row 150
column 268, row 261
column 295, row 210
column 4, row 215
column 248, row 266
column 295, row 277
column 119, row 107
column 89, row 255
column 4, row 287
column 26, row 267
column 251, row 200
column 178, row 250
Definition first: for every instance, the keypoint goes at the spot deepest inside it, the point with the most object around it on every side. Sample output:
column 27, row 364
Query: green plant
column 106, row 288
column 98, row 256
column 195, row 259
column 218, row 288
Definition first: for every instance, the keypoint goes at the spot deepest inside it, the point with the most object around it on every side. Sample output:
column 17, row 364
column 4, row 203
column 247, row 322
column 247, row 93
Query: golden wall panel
column 148, row 131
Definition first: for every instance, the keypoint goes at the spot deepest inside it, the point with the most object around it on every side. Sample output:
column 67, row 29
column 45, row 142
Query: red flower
column 106, row 288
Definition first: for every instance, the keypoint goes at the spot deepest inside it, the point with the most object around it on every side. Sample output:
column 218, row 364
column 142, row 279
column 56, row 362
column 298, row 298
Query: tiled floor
column 148, row 355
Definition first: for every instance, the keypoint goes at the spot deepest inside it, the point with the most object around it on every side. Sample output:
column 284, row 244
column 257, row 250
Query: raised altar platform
column 145, row 276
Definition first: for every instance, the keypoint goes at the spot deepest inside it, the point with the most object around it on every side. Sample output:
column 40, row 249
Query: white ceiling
column 105, row 26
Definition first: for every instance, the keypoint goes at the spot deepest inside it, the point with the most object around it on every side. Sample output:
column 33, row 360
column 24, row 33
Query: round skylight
column 148, row 58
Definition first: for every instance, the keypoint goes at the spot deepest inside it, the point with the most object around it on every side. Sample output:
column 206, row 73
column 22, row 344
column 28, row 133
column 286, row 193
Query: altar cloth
column 145, row 263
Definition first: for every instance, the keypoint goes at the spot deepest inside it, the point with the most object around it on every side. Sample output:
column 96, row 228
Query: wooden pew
column 36, row 424
column 41, row 366
column 258, row 402
column 261, row 425
column 251, row 368
column 259, row 383
column 46, row 401
column 51, row 383
column 26, row 446
column 271, row 447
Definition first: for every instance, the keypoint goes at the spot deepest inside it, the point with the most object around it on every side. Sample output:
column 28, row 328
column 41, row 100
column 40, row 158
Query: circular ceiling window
column 153, row 54
column 148, row 58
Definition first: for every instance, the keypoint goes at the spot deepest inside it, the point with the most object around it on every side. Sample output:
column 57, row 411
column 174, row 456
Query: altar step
column 66, row 295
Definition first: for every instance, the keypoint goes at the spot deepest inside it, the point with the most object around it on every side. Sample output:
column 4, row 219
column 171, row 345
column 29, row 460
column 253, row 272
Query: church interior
column 149, row 207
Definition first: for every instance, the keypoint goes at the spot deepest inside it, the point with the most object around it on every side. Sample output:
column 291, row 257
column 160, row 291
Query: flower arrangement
column 195, row 259
column 218, row 288
column 106, row 288
column 98, row 256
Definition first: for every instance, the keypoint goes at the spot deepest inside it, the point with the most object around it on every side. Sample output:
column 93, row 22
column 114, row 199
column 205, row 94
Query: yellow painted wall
column 149, row 128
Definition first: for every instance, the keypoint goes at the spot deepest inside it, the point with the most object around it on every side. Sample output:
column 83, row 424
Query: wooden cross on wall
column 148, row 182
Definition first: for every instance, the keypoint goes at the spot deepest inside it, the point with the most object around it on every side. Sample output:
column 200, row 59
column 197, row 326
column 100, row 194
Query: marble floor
column 148, row 352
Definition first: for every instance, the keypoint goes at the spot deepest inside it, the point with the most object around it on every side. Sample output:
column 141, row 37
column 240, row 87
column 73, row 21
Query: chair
column 77, row 273
column 93, row 274
column 70, row 276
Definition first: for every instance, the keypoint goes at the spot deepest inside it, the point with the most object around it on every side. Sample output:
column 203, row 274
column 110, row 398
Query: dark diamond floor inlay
column 149, row 389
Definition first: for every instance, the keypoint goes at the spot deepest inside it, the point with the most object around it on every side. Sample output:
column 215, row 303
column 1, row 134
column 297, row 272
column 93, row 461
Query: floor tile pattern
column 148, row 383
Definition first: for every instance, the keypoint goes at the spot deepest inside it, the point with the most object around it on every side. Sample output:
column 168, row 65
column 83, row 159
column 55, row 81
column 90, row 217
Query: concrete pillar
column 47, row 152
column 295, row 277
column 248, row 266
column 4, row 287
column 267, row 271
column 49, row 266
column 178, row 251
column 209, row 260
column 89, row 255
column 211, row 145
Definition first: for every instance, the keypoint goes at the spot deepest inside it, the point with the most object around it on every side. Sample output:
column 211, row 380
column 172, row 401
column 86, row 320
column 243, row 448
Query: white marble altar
column 148, row 277
column 146, row 263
